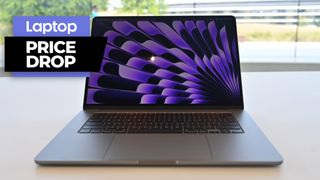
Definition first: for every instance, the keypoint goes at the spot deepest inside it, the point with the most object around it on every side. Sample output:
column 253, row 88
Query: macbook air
column 168, row 93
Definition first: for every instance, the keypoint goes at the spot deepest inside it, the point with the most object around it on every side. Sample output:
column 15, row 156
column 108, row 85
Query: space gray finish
column 251, row 147
column 71, row 148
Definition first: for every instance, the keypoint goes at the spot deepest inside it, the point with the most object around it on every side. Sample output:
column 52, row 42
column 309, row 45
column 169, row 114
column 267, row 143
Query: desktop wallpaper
column 177, row 62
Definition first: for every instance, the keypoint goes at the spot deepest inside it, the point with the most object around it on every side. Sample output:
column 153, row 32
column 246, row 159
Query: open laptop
column 168, row 93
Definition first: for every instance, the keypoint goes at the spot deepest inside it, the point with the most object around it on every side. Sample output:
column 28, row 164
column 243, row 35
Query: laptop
column 168, row 93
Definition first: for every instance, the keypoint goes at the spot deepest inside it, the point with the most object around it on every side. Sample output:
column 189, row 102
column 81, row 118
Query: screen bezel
column 95, row 23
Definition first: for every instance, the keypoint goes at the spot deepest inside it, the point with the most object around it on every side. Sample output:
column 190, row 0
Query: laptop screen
column 167, row 61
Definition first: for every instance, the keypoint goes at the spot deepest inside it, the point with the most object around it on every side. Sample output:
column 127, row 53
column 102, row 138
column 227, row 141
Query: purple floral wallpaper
column 172, row 62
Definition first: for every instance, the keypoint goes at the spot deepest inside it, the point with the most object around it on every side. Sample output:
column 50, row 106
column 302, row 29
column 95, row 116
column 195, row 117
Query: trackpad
column 158, row 147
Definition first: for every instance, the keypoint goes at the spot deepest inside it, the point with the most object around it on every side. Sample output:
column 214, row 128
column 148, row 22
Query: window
column 268, row 30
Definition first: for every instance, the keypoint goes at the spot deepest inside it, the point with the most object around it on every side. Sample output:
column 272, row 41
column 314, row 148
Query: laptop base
column 72, row 148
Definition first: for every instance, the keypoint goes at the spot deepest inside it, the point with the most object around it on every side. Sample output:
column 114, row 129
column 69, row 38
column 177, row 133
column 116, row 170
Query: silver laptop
column 168, row 93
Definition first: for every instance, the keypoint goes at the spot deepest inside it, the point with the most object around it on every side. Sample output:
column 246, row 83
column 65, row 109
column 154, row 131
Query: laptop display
column 167, row 61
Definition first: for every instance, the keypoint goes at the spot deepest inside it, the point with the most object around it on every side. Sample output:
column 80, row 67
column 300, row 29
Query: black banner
column 53, row 54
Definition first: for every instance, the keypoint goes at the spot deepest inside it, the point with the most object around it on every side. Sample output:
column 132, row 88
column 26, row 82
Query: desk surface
column 284, row 104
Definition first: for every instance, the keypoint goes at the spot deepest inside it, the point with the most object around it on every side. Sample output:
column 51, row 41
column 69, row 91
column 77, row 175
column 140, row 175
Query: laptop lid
column 166, row 62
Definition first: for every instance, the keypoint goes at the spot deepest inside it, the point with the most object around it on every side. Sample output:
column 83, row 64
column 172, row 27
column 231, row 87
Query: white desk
column 286, row 106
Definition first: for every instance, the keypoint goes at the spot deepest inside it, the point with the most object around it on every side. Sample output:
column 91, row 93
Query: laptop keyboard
column 161, row 122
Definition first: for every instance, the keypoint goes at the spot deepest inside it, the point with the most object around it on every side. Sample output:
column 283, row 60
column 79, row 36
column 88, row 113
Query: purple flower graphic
column 177, row 62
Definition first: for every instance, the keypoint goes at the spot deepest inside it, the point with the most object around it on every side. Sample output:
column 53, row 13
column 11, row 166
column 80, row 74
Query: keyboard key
column 237, row 131
column 215, row 131
column 153, row 131
column 84, row 130
column 96, row 130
